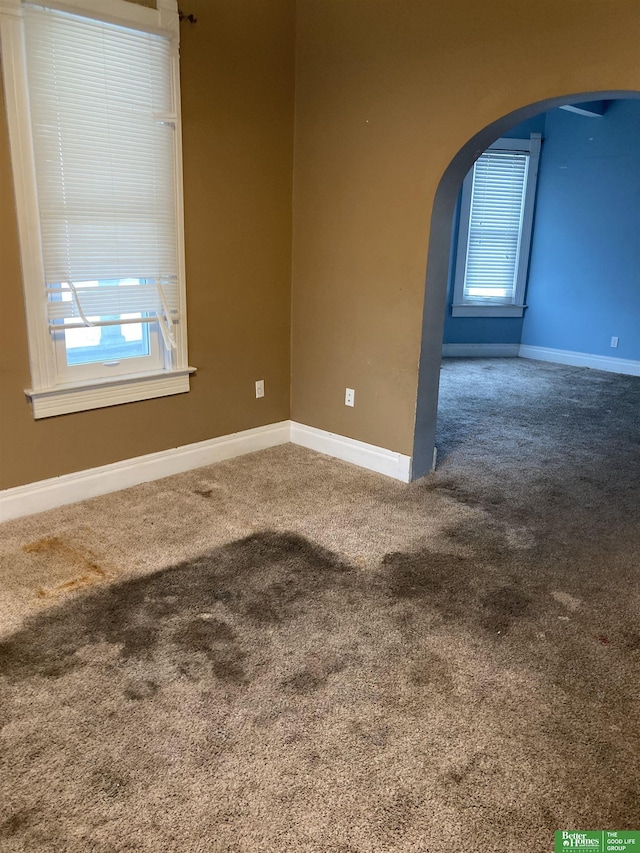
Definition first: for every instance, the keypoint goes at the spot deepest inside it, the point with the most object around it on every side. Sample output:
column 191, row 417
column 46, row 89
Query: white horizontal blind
column 104, row 305
column 103, row 128
column 495, row 225
column 112, row 300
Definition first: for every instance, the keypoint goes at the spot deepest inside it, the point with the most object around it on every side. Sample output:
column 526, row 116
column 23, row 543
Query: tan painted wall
column 237, row 96
column 387, row 91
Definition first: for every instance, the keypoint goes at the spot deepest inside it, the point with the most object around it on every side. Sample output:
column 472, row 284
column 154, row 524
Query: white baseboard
column 581, row 359
column 369, row 456
column 559, row 356
column 69, row 488
column 480, row 350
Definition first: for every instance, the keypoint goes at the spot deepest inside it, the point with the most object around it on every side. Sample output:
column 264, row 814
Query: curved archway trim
column 438, row 263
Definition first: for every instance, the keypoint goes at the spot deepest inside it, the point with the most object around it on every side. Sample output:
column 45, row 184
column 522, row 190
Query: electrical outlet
column 614, row 342
column 260, row 388
column 349, row 397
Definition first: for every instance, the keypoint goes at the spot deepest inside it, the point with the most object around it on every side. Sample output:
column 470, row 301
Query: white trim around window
column 502, row 183
column 54, row 390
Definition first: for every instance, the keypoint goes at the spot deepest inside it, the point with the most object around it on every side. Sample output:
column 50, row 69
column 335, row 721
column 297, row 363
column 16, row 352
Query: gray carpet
column 337, row 662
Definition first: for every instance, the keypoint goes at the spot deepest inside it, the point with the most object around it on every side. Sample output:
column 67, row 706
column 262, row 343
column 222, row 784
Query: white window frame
column 49, row 395
column 463, row 306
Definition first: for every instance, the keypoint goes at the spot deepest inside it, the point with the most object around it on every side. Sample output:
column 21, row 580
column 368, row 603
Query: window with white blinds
column 495, row 225
column 103, row 126
column 495, row 229
column 102, row 111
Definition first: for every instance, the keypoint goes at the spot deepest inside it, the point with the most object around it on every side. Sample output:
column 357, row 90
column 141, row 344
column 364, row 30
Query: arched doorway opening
column 438, row 260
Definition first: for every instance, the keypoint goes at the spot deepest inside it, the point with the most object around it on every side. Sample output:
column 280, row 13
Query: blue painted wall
column 484, row 330
column 584, row 274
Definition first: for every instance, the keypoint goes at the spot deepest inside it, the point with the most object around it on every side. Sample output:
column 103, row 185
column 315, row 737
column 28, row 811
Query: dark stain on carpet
column 216, row 641
column 502, row 606
column 457, row 587
column 427, row 575
column 266, row 578
column 431, row 671
column 16, row 823
column 110, row 783
column 137, row 641
column 268, row 686
column 303, row 681
column 143, row 689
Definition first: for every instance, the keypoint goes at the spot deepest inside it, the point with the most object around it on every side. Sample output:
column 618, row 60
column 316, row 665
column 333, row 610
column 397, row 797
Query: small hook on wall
column 191, row 18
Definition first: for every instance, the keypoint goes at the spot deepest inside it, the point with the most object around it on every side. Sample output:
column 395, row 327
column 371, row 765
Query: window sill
column 97, row 394
column 495, row 310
